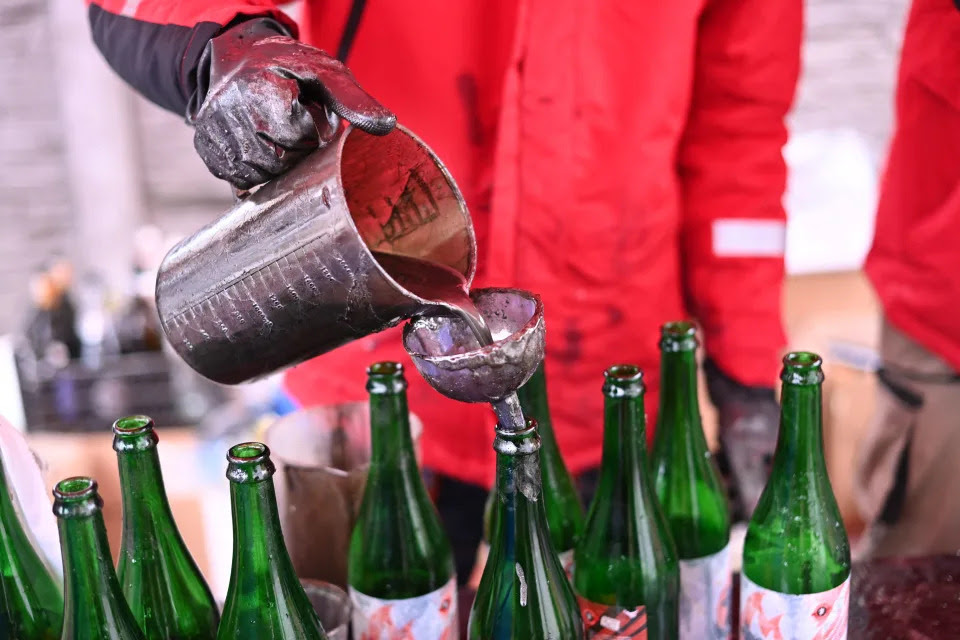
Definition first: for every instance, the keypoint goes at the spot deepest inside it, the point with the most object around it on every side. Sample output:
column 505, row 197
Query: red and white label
column 705, row 593
column 771, row 615
column 606, row 622
column 428, row 617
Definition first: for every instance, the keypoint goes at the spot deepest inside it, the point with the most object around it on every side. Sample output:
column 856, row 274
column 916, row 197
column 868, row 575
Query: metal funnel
column 450, row 358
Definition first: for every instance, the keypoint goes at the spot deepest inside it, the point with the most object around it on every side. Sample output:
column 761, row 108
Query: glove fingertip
column 342, row 95
column 374, row 118
column 379, row 125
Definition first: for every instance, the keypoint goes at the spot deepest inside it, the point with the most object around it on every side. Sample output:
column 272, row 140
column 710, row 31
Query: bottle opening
column 132, row 425
column 249, row 463
column 385, row 369
column 77, row 488
column 624, row 373
column 527, row 440
column 528, row 431
column 680, row 335
column 248, row 452
column 386, row 378
column 802, row 368
column 802, row 360
column 678, row 329
column 623, row 381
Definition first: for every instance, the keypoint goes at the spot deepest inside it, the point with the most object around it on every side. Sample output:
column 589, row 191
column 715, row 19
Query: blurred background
column 96, row 184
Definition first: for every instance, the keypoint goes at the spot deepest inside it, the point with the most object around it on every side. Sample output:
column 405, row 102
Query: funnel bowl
column 451, row 359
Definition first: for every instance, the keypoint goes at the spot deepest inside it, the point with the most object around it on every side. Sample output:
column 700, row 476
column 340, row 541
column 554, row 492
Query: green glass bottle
column 691, row 495
column 163, row 586
column 31, row 601
column 796, row 556
column 95, row 608
column 625, row 568
column 401, row 571
column 560, row 498
column 523, row 593
column 265, row 600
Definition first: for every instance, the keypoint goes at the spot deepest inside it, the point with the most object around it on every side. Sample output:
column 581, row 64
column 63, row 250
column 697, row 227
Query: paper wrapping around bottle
column 432, row 616
column 705, row 593
column 770, row 615
column 322, row 455
column 25, row 481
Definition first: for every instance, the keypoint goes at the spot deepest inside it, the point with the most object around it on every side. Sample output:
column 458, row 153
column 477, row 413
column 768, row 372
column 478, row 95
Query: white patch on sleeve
column 746, row 238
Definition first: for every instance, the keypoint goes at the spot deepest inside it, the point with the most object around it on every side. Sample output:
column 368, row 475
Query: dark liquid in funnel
column 436, row 283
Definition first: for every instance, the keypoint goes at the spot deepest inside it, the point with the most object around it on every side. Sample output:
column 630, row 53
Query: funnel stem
column 509, row 414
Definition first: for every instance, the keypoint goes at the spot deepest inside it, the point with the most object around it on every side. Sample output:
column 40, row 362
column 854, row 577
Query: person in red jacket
column 621, row 159
column 907, row 468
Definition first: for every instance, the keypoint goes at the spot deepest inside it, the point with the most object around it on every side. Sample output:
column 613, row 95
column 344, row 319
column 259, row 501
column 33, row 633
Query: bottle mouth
column 385, row 369
column 248, row 453
column 134, row 433
column 679, row 335
column 525, row 441
column 76, row 497
column 802, row 368
column 133, row 425
column 75, row 489
column 249, row 462
column 623, row 381
column 385, row 378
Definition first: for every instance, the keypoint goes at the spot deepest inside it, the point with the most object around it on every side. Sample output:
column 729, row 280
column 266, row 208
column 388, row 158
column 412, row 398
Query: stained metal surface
column 288, row 274
column 447, row 354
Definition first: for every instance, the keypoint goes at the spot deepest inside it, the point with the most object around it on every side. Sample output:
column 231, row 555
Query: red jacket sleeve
column 733, row 176
column 155, row 45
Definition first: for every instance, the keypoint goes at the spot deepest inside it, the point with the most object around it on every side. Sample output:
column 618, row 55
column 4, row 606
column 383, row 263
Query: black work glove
column 265, row 100
column 749, row 420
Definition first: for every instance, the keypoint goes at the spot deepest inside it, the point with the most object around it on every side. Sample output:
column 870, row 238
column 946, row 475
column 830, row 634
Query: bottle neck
column 391, row 442
column 800, row 443
column 518, row 493
column 533, row 401
column 89, row 580
column 146, row 511
column 679, row 405
column 624, row 445
column 519, row 474
column 258, row 546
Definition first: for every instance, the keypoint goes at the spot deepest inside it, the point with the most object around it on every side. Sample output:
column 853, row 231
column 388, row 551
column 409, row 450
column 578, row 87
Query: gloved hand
column 749, row 420
column 265, row 100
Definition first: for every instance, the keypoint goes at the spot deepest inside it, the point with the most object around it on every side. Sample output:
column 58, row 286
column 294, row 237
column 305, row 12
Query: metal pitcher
column 288, row 273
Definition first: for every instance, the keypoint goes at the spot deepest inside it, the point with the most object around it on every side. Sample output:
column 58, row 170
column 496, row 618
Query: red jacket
column 621, row 159
column 914, row 264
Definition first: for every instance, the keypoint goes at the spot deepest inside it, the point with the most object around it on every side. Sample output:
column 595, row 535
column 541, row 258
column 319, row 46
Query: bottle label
column 610, row 622
column 428, row 617
column 770, row 615
column 566, row 561
column 705, row 593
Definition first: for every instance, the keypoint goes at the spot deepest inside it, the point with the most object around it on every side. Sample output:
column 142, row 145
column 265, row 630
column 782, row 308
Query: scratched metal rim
column 491, row 372
column 451, row 183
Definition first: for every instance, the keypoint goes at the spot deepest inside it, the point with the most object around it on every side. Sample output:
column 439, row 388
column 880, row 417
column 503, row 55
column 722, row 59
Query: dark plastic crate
column 79, row 399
